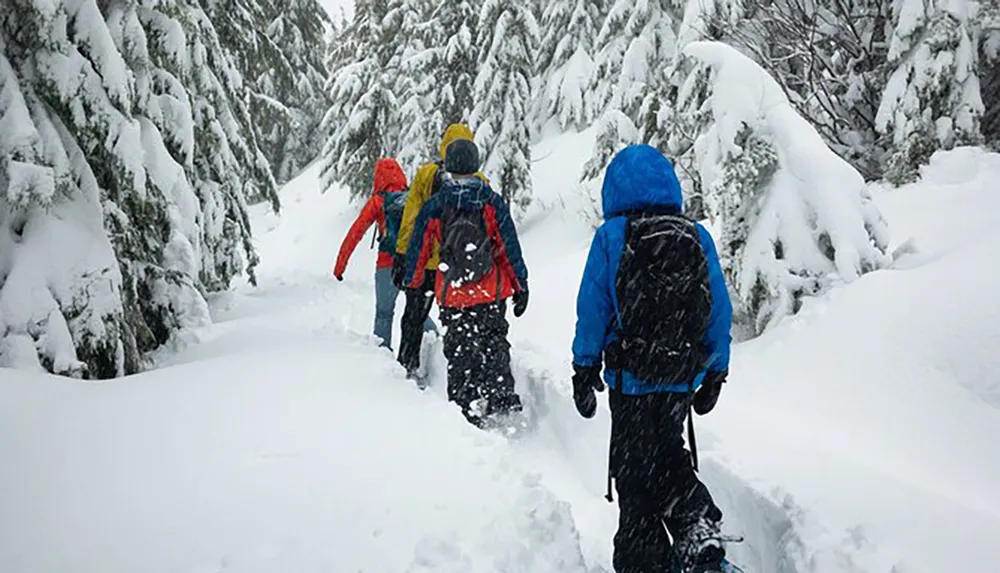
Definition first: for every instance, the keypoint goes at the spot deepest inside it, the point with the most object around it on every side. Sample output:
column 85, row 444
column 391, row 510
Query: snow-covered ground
column 857, row 436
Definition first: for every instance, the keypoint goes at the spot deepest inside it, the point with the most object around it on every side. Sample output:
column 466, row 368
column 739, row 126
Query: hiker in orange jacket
column 384, row 209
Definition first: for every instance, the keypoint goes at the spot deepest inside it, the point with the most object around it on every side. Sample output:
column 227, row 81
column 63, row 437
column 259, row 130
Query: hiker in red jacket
column 385, row 210
column 480, row 267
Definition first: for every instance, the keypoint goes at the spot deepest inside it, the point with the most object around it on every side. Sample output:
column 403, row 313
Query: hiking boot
column 415, row 376
column 700, row 548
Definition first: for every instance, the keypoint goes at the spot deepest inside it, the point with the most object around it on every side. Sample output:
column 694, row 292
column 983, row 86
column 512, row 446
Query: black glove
column 586, row 379
column 706, row 396
column 398, row 270
column 520, row 302
column 339, row 277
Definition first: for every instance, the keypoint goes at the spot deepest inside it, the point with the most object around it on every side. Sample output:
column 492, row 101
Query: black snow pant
column 478, row 354
column 658, row 489
column 418, row 307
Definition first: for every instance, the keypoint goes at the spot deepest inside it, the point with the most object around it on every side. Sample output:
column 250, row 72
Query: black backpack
column 664, row 299
column 466, row 247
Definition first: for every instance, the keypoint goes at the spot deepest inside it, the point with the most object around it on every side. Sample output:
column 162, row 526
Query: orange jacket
column 389, row 176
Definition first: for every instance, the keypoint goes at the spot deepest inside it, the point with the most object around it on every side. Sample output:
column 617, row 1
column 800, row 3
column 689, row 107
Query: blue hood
column 640, row 178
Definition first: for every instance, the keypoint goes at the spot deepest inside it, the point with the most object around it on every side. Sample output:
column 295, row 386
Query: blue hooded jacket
column 640, row 178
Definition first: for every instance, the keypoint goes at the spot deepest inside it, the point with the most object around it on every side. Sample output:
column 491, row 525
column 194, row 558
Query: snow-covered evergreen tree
column 60, row 286
column 988, row 24
column 411, row 69
column 508, row 34
column 565, row 63
column 124, row 192
column 277, row 47
column 297, row 28
column 795, row 217
column 634, row 47
column 226, row 167
column 674, row 111
column 635, row 42
column 453, row 27
column 932, row 100
column 262, row 68
column 361, row 118
column 615, row 132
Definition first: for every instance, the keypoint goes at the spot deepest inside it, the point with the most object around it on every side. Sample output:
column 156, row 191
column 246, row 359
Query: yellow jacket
column 421, row 189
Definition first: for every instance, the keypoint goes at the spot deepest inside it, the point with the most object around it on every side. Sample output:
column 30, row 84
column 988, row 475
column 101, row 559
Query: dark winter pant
column 418, row 307
column 385, row 308
column 479, row 360
column 656, row 483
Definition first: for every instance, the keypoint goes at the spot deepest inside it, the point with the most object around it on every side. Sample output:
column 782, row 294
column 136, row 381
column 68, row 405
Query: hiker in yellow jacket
column 419, row 300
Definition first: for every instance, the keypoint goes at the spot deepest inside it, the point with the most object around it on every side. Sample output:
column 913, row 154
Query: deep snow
column 854, row 437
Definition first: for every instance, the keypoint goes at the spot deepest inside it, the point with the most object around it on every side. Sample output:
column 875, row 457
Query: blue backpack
column 393, row 203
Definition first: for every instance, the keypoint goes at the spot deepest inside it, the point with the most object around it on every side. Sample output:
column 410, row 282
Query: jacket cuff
column 578, row 367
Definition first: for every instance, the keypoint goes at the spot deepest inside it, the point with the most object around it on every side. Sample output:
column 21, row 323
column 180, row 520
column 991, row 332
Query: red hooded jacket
column 389, row 176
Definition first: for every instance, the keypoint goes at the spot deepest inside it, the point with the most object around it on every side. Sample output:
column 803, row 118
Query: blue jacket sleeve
column 511, row 243
column 430, row 210
column 594, row 305
column 718, row 337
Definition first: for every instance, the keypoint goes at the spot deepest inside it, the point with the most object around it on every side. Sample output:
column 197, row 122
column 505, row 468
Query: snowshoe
column 729, row 567
column 510, row 424
column 726, row 566
column 512, row 421
column 701, row 549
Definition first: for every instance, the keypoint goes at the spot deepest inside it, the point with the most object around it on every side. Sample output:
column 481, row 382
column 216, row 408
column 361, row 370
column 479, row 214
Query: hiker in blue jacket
column 654, row 313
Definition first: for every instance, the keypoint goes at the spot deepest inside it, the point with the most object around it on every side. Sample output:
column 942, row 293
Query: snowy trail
column 282, row 439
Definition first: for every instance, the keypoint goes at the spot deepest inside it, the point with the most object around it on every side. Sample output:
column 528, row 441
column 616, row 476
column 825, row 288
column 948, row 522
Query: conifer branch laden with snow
column 796, row 218
column 124, row 197
column 830, row 59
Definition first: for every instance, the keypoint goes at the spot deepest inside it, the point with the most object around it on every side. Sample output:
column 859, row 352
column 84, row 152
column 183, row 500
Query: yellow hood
column 455, row 131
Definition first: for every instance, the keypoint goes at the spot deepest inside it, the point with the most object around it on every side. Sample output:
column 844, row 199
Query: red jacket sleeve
column 368, row 216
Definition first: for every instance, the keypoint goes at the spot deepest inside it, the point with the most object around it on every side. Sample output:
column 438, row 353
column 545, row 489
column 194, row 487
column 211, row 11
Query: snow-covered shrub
column 795, row 217
column 932, row 100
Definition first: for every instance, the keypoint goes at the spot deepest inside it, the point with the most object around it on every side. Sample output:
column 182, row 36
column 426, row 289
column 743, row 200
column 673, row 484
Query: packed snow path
column 856, row 437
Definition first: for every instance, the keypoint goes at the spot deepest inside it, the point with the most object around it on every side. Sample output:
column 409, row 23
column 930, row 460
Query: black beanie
column 461, row 157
